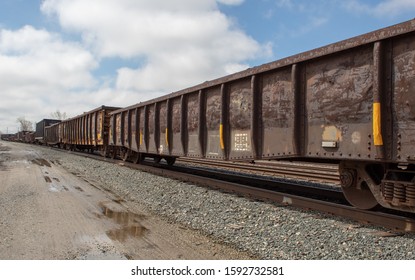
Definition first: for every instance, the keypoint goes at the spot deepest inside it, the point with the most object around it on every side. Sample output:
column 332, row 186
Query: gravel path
column 266, row 230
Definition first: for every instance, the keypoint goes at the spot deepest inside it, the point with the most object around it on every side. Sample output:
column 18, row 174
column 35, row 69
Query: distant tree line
column 58, row 115
column 26, row 125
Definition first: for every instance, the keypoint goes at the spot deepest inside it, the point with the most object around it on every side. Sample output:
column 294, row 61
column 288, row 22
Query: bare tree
column 25, row 125
column 58, row 115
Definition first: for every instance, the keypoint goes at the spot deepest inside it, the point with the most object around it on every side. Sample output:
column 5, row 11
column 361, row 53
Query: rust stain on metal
column 331, row 133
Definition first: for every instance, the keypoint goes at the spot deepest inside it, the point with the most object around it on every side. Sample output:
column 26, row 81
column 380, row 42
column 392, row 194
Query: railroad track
column 329, row 201
column 284, row 193
column 321, row 173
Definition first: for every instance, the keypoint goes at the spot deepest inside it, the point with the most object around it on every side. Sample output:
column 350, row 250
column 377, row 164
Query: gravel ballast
column 267, row 231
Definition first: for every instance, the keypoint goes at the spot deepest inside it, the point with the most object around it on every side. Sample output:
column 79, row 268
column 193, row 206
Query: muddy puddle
column 126, row 232
column 4, row 148
column 3, row 167
column 130, row 226
column 47, row 179
column 41, row 162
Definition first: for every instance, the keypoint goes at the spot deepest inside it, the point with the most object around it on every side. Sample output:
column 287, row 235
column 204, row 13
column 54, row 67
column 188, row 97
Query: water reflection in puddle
column 130, row 223
column 125, row 232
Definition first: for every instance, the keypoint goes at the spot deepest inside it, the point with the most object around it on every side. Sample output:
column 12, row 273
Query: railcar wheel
column 113, row 153
column 170, row 160
column 355, row 188
column 110, row 152
column 104, row 152
column 136, row 157
column 157, row 159
column 125, row 154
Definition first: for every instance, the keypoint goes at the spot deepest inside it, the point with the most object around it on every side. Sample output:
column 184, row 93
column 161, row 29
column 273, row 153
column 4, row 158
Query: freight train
column 352, row 103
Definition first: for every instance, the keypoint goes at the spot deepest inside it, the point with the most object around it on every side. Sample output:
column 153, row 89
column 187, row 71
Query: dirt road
column 49, row 213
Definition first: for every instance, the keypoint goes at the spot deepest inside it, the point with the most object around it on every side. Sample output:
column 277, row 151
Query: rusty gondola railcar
column 135, row 133
column 24, row 136
column 7, row 137
column 40, row 129
column 29, row 137
column 88, row 131
column 53, row 134
column 352, row 102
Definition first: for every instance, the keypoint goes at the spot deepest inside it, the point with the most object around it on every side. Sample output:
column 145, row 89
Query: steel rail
column 316, row 173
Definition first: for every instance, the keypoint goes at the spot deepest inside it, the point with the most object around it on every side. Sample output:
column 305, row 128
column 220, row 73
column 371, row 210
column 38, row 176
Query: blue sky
column 75, row 55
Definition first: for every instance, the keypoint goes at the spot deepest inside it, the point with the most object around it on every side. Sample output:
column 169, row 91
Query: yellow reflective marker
column 167, row 136
column 222, row 143
column 377, row 132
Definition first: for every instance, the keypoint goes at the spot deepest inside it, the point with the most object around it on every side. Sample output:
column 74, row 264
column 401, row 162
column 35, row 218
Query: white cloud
column 388, row 8
column 230, row 2
column 394, row 7
column 182, row 42
column 175, row 43
column 38, row 69
column 285, row 4
column 313, row 23
column 38, row 58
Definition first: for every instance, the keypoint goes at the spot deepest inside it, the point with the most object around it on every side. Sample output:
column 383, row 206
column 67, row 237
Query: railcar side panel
column 78, row 131
column 404, row 97
column 74, row 132
column 100, row 127
column 118, row 129
column 89, row 130
column 151, row 124
column 84, row 130
column 111, row 134
column 163, row 143
column 84, row 134
column 65, row 134
column 93, row 128
column 71, row 139
column 339, row 95
column 278, row 114
column 214, row 127
column 143, row 134
column 133, row 129
column 53, row 134
column 126, row 129
column 177, row 148
column 240, row 116
column 194, row 148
